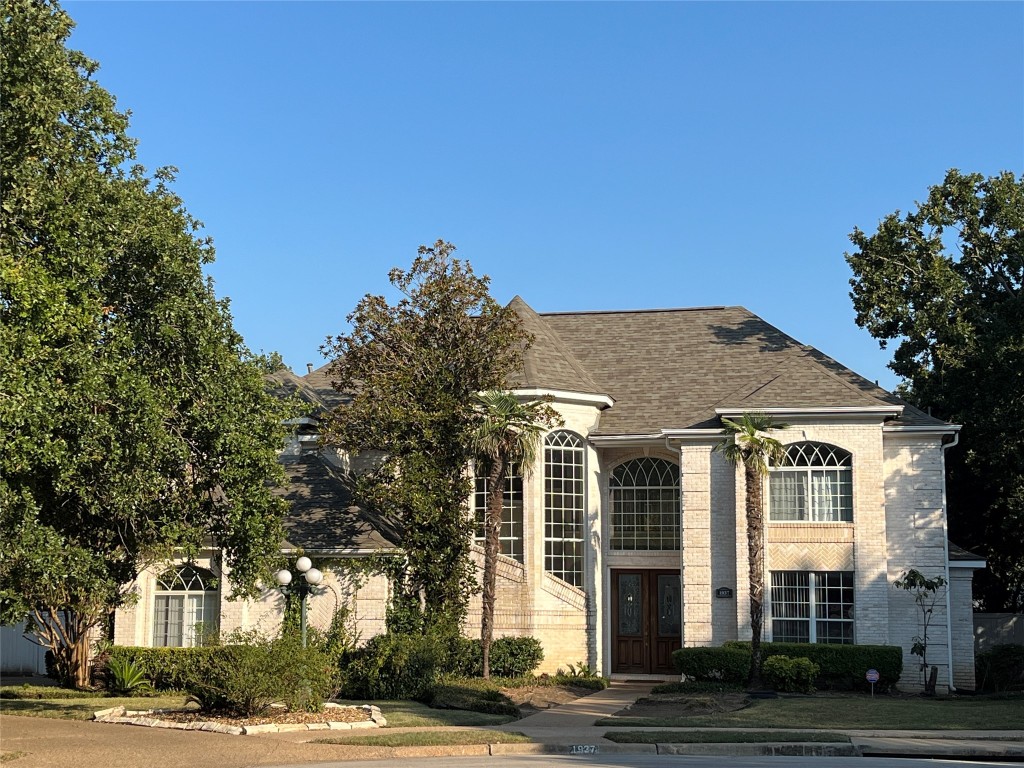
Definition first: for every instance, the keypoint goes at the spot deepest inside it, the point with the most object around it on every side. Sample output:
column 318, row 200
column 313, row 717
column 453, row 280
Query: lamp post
column 302, row 587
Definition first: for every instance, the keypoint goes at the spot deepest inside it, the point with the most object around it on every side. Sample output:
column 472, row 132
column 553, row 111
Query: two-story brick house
column 628, row 539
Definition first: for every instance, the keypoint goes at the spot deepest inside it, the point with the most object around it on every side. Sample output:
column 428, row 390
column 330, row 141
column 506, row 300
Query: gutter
column 945, row 546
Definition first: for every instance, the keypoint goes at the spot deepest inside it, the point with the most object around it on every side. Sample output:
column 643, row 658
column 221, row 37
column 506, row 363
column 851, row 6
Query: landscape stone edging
column 139, row 717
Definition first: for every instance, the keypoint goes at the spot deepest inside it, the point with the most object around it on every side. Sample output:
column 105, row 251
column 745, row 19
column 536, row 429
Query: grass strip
column 6, row 757
column 849, row 712
column 428, row 739
column 82, row 709
column 723, row 737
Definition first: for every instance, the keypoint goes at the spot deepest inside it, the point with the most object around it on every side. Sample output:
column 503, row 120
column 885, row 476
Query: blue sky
column 584, row 155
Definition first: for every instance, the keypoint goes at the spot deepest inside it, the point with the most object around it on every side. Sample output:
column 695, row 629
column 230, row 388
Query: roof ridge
column 638, row 311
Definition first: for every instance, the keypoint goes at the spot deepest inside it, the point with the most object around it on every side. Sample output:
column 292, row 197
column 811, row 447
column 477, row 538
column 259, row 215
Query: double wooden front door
column 646, row 620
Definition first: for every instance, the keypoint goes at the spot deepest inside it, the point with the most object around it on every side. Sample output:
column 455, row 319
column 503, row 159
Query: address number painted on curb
column 583, row 749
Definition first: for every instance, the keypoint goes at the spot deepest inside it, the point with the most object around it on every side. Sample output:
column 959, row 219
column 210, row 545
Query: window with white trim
column 645, row 505
column 185, row 606
column 564, row 460
column 813, row 483
column 812, row 606
column 511, row 536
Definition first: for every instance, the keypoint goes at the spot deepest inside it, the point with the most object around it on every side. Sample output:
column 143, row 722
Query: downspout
column 945, row 546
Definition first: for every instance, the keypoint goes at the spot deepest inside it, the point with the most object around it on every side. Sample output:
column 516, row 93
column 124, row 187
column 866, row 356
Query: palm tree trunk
column 755, row 558
column 492, row 542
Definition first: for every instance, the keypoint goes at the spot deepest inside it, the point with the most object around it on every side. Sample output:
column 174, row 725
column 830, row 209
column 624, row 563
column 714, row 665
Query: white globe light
column 284, row 577
column 313, row 576
column 303, row 564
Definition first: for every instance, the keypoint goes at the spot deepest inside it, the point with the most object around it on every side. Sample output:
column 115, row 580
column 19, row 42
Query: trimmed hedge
column 842, row 667
column 510, row 657
column 169, row 668
column 714, row 664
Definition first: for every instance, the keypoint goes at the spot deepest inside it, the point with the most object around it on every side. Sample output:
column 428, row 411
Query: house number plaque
column 723, row 592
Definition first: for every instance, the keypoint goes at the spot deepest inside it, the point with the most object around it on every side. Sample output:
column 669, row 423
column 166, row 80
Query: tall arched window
column 645, row 504
column 511, row 513
column 563, row 506
column 813, row 483
column 185, row 606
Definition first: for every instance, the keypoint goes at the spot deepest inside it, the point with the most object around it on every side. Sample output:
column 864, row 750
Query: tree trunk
column 492, row 542
column 755, row 558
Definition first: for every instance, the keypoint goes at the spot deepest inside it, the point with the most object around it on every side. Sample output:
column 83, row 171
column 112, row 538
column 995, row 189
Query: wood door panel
column 645, row 620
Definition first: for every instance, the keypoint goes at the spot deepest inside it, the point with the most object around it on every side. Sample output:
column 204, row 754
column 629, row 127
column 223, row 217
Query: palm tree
column 508, row 435
column 748, row 443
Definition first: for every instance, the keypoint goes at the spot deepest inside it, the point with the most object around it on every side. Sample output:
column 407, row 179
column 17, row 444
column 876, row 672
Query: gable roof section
column 670, row 369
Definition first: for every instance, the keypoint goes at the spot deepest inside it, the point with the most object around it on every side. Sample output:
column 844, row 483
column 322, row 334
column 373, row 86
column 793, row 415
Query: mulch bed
column 276, row 716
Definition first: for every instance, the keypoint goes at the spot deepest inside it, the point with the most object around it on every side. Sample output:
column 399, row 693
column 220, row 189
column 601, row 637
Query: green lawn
column 427, row 739
column 411, row 714
column 722, row 737
column 82, row 709
column 854, row 711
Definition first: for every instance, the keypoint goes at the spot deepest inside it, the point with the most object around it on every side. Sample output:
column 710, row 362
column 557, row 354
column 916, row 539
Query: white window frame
column 512, row 513
column 635, row 486
column 810, row 610
column 193, row 594
column 564, row 538
column 824, row 475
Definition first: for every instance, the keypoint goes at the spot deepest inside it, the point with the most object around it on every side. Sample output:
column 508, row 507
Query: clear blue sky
column 584, row 155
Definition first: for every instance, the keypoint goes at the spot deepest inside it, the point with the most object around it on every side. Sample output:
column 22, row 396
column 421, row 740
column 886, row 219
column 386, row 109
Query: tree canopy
column 134, row 421
column 412, row 372
column 944, row 281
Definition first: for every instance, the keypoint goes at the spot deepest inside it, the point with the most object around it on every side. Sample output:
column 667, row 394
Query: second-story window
column 813, row 483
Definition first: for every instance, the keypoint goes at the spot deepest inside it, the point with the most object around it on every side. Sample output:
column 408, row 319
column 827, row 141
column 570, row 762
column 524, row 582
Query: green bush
column 1000, row 669
column 166, row 668
column 248, row 677
column 395, row 666
column 510, row 657
column 841, row 667
column 125, row 678
column 790, row 675
column 472, row 694
column 721, row 664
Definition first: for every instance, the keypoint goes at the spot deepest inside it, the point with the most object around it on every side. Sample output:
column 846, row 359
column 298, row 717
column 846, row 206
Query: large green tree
column 134, row 422
column 944, row 281
column 412, row 372
column 507, row 436
column 748, row 444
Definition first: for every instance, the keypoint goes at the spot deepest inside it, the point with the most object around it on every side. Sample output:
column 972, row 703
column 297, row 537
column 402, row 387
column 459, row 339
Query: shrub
column 510, row 657
column 396, row 666
column 1000, row 669
column 166, row 668
column 248, row 677
column 724, row 664
column 126, row 678
column 790, row 675
column 841, row 667
column 473, row 695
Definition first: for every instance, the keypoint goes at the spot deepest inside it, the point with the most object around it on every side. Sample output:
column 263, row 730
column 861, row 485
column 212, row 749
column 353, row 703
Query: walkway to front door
column 646, row 620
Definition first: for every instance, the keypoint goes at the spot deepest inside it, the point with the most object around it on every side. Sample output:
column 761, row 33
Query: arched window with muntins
column 813, row 483
column 511, row 536
column 185, row 606
column 564, row 499
column 645, row 505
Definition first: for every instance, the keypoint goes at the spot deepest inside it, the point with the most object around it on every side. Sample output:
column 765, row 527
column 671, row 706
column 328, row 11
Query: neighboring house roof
column 323, row 517
column 959, row 554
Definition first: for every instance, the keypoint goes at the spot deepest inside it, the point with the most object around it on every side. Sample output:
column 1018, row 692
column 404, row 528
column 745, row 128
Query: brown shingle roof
column 323, row 516
column 670, row 369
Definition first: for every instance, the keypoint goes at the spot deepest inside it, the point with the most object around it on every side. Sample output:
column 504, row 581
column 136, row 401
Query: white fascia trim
column 566, row 396
column 336, row 552
column 975, row 565
column 947, row 429
column 865, row 411
column 691, row 434
column 625, row 440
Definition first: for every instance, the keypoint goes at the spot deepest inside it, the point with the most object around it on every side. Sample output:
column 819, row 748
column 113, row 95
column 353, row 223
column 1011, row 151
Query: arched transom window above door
column 645, row 505
column 814, row 483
